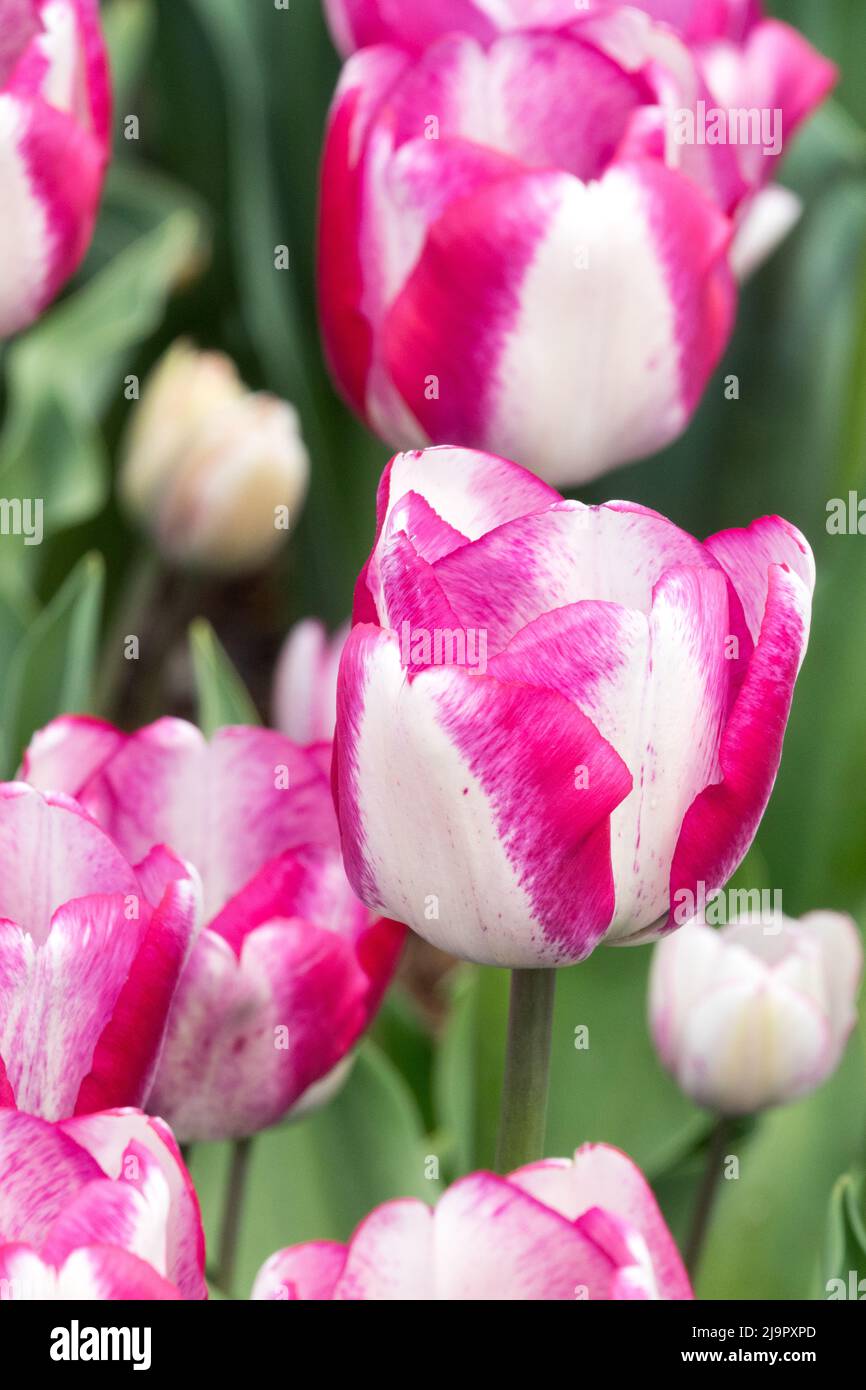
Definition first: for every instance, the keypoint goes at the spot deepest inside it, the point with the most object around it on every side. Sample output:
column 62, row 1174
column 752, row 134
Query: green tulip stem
column 527, row 1068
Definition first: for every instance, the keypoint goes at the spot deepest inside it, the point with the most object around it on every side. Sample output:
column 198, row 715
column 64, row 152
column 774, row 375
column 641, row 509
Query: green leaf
column 222, row 695
column 63, row 373
column 318, row 1178
column 845, row 1247
column 51, row 669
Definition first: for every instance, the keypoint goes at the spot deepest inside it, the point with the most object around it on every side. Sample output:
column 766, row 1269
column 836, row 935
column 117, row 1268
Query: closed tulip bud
column 215, row 472
column 55, row 116
column 755, row 1014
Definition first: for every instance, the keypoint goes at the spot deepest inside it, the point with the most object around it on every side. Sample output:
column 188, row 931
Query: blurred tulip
column 552, row 719
column 97, row 1207
column 755, row 1014
column 91, row 950
column 523, row 247
column 305, row 683
column 215, row 472
column 290, row 967
column 587, row 1228
column 55, row 115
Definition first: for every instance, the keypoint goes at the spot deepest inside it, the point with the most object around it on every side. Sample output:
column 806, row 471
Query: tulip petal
column 494, row 1240
column 642, row 246
column 719, row 826
column 107, row 1136
column 501, row 818
column 226, row 805
column 41, row 1169
column 601, row 1176
column 309, row 1272
column 247, row 1036
column 51, row 853
column 746, row 555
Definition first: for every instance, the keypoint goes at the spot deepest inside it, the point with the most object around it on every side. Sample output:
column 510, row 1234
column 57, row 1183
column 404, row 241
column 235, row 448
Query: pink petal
column 64, row 755
column 747, row 554
column 654, row 255
column 720, row 824
column 248, row 1036
column 226, row 806
column 502, row 820
column 125, row 1057
column 41, row 1169
column 306, row 1272
column 601, row 1176
column 51, row 853
column 107, row 1137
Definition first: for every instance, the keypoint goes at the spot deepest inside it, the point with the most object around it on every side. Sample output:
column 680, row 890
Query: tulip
column 96, row 1207
column 289, row 968
column 553, row 719
column 215, row 472
column 55, row 115
column 523, row 248
column 755, row 1014
column 305, row 683
column 91, row 950
column 581, row 1228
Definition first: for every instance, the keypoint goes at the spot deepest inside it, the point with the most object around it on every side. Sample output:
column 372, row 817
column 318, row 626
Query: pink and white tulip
column 512, row 770
column 581, row 1228
column 55, row 114
column 305, row 682
column 517, row 253
column 91, row 950
column 290, row 967
column 97, row 1207
column 755, row 1014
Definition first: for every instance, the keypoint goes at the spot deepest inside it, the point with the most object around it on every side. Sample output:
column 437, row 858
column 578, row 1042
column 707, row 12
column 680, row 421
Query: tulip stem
column 527, row 1067
column 706, row 1198
column 232, row 1212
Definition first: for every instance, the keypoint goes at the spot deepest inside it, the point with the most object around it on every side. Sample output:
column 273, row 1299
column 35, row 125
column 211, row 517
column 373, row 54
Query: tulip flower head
column 530, row 216
column 215, row 472
column 511, row 771
column 289, row 967
column 55, row 114
column 581, row 1228
column 91, row 950
column 96, row 1207
column 757, row 1013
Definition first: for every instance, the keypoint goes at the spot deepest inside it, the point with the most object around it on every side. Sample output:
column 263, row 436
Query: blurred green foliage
column 231, row 100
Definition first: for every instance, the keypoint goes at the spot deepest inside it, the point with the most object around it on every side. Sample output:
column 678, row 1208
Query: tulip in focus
column 96, row 1207
column 290, row 967
column 305, row 683
column 561, row 1229
column 527, row 229
column 552, row 719
column 91, row 950
column 215, row 472
column 755, row 1015
column 55, row 115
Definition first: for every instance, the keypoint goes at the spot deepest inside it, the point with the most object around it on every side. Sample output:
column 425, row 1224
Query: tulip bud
column 215, row 472
column 755, row 1014
column 305, row 682
column 55, row 116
